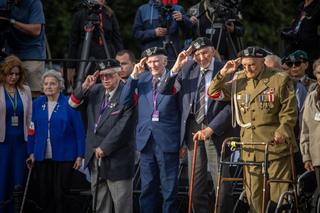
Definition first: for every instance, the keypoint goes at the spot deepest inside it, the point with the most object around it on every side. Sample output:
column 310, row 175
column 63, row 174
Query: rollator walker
column 287, row 201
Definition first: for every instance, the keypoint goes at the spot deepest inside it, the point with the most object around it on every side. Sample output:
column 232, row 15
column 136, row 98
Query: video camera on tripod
column 225, row 11
column 94, row 8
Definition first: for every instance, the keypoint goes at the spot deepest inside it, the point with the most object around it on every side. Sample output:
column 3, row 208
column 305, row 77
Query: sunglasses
column 295, row 63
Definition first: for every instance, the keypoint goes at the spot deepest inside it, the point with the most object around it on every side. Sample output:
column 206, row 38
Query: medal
column 261, row 100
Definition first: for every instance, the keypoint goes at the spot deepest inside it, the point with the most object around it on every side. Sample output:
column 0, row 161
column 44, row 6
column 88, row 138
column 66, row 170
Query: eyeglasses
column 14, row 73
column 106, row 76
column 295, row 63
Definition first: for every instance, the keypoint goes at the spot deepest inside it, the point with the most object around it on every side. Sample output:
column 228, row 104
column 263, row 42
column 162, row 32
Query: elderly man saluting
column 266, row 111
column 157, row 132
column 109, row 138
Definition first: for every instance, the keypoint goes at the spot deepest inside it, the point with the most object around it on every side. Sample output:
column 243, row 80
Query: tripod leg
column 105, row 45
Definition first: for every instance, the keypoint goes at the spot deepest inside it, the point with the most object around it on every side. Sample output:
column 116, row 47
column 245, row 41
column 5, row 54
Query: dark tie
column 154, row 85
column 201, row 102
column 106, row 100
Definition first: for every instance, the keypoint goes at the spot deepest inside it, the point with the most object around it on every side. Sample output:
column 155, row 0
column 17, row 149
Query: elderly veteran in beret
column 297, row 63
column 202, row 118
column 109, row 138
column 55, row 143
column 310, row 137
column 265, row 108
column 157, row 132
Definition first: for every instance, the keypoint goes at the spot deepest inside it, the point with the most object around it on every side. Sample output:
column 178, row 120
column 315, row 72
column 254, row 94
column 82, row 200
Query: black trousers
column 53, row 181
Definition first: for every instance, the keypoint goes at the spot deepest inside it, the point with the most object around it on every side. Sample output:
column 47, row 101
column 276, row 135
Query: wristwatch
column 12, row 21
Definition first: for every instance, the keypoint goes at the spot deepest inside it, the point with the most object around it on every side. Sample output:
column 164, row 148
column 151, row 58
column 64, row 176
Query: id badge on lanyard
column 155, row 113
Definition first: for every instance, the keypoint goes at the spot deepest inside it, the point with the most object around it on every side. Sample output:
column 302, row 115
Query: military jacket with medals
column 269, row 104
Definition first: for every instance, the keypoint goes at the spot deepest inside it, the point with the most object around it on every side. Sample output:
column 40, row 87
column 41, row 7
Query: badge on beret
column 102, row 66
column 196, row 45
column 148, row 52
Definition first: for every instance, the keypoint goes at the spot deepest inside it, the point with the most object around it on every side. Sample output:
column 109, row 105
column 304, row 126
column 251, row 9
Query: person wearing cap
column 208, row 120
column 56, row 143
column 297, row 63
column 109, row 138
column 265, row 109
column 157, row 131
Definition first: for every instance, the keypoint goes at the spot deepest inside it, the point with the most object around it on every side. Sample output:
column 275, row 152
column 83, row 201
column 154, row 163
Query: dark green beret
column 253, row 52
column 107, row 64
column 153, row 51
column 298, row 55
column 200, row 42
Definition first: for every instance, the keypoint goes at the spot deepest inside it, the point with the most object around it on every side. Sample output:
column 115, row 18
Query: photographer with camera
column 303, row 33
column 96, row 17
column 25, row 38
column 157, row 24
column 220, row 21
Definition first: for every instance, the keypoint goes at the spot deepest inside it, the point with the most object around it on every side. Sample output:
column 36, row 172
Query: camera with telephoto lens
column 166, row 11
column 225, row 10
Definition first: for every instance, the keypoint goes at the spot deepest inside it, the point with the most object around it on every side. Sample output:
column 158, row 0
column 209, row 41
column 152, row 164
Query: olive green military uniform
column 269, row 104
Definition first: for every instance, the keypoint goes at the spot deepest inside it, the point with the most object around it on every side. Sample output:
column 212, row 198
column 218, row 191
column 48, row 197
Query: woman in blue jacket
column 56, row 142
column 15, row 116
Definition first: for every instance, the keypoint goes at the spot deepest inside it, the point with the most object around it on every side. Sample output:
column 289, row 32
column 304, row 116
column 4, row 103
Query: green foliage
column 262, row 19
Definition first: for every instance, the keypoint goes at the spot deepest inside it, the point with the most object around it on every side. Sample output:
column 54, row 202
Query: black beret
column 201, row 42
column 253, row 52
column 107, row 64
column 153, row 51
column 296, row 56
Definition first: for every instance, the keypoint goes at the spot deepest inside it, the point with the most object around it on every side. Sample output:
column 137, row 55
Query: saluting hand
column 181, row 60
column 230, row 67
column 90, row 81
column 139, row 68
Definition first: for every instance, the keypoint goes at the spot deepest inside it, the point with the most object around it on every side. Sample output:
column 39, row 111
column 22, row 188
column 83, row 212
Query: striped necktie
column 201, row 102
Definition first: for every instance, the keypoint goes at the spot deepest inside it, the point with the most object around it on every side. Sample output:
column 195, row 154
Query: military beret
column 153, row 51
column 200, row 42
column 296, row 56
column 108, row 64
column 254, row 52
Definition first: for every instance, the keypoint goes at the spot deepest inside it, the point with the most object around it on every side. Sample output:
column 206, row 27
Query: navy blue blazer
column 66, row 130
column 165, row 132
column 185, row 84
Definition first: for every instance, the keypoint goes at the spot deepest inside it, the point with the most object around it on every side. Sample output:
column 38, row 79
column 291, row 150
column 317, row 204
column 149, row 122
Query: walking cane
column 192, row 175
column 26, row 187
column 97, row 186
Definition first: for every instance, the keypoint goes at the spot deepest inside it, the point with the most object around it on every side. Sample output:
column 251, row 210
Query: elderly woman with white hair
column 56, row 142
